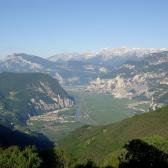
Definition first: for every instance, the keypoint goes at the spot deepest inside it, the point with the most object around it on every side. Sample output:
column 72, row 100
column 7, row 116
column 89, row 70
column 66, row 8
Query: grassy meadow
column 90, row 109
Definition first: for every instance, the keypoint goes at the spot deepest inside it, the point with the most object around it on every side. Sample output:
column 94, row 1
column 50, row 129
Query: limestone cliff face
column 121, row 87
column 57, row 103
column 30, row 94
column 52, row 101
column 143, row 79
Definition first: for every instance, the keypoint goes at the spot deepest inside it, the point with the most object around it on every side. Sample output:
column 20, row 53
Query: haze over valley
column 96, row 83
column 60, row 96
column 72, row 95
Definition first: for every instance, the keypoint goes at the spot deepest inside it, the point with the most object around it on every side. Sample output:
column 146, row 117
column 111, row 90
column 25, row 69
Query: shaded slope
column 99, row 142
column 26, row 94
column 9, row 137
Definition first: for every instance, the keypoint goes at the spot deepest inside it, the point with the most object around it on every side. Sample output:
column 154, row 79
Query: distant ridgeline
column 27, row 94
column 145, row 79
column 76, row 68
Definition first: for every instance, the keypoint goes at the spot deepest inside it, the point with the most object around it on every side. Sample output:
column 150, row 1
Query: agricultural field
column 101, row 109
column 90, row 109
column 57, row 129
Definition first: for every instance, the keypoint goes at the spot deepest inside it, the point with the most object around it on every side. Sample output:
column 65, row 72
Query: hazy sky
column 46, row 27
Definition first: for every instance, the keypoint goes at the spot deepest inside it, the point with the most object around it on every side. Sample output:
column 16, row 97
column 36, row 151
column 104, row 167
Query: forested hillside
column 100, row 142
column 27, row 94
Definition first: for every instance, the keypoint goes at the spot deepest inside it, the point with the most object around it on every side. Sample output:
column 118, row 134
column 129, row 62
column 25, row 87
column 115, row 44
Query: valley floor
column 90, row 109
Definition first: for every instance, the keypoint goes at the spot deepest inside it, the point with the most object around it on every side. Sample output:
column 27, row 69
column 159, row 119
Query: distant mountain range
column 23, row 95
column 67, row 72
column 75, row 68
column 146, row 79
column 123, row 72
column 29, row 86
column 106, row 54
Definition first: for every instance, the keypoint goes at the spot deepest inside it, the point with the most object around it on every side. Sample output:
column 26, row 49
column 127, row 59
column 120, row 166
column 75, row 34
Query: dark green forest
column 21, row 150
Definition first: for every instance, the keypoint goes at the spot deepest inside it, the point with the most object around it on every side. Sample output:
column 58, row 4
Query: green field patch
column 103, row 109
column 90, row 109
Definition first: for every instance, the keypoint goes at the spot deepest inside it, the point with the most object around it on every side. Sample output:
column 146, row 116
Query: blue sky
column 47, row 27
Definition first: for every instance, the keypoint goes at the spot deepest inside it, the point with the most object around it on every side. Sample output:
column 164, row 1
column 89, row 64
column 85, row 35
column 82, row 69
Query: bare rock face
column 120, row 87
column 57, row 104
column 145, row 79
column 55, row 100
column 77, row 68
column 28, row 94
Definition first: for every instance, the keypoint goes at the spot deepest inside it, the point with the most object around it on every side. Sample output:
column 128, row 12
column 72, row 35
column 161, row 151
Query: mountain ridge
column 145, row 79
column 106, row 53
column 77, row 68
column 98, row 142
column 27, row 94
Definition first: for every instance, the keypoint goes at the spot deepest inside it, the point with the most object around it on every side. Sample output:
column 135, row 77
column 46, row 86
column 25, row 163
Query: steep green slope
column 10, row 137
column 26, row 94
column 98, row 142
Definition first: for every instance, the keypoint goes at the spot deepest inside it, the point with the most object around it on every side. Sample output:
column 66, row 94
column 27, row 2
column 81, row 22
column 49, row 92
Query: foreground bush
column 142, row 155
column 15, row 157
